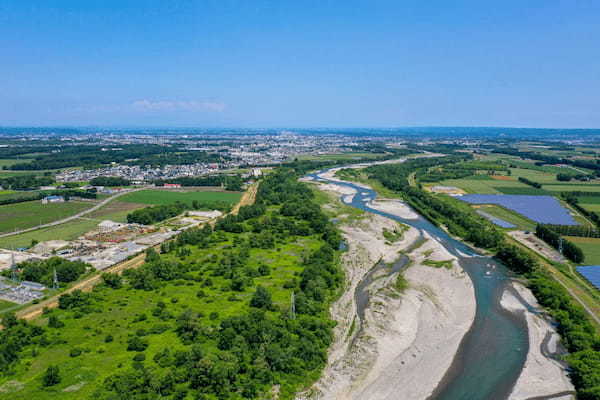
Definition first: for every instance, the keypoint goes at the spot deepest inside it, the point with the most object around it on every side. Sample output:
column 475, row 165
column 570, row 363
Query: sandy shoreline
column 408, row 340
column 541, row 375
column 393, row 207
column 419, row 333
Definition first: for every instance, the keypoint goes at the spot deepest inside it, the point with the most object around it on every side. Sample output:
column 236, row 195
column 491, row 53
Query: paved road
column 72, row 217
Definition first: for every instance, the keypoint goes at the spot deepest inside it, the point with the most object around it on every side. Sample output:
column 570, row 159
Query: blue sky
column 300, row 63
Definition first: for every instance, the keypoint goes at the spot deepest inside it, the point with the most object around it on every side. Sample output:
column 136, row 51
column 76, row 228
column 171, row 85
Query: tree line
column 26, row 182
column 229, row 182
column 109, row 181
column 529, row 182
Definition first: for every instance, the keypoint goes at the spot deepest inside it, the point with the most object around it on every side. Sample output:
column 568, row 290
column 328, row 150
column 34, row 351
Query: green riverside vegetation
column 210, row 317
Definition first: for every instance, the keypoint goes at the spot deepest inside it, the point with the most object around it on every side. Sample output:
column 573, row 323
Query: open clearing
column 163, row 197
column 32, row 213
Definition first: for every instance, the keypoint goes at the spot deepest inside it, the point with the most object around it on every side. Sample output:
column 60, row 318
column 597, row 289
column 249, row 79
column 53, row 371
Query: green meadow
column 590, row 248
column 32, row 213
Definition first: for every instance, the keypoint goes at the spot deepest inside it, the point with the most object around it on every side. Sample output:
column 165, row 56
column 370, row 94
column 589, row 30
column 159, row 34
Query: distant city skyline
column 300, row 64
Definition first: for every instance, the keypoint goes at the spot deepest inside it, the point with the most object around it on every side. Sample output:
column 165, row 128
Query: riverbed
column 493, row 353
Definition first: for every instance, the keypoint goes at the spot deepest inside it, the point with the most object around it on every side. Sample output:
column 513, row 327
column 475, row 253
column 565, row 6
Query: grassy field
column 534, row 175
column 512, row 217
column 115, row 210
column 68, row 231
column 484, row 184
column 590, row 248
column 122, row 312
column 31, row 213
column 7, row 162
column 161, row 197
column 13, row 194
column 590, row 203
column 7, row 305
column 580, row 187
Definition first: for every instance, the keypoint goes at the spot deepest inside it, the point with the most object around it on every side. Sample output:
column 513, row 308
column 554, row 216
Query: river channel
column 492, row 354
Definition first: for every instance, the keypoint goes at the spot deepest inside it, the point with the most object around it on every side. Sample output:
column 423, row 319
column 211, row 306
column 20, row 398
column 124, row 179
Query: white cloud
column 167, row 105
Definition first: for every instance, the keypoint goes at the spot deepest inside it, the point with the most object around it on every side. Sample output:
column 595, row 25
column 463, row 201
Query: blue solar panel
column 591, row 273
column 500, row 222
column 541, row 209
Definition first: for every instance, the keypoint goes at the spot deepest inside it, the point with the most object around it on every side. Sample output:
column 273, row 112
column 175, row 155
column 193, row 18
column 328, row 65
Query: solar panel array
column 500, row 222
column 591, row 273
column 541, row 209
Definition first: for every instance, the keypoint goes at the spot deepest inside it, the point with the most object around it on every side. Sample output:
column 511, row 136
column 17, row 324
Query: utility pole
column 560, row 246
column 13, row 269
column 54, row 280
column 293, row 308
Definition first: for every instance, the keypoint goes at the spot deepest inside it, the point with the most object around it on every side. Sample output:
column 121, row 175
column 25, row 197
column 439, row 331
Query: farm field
column 162, row 197
column 590, row 248
column 561, row 187
column 153, row 316
column 534, row 175
column 115, row 211
column 590, row 203
column 13, row 194
column 31, row 213
column 67, row 231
